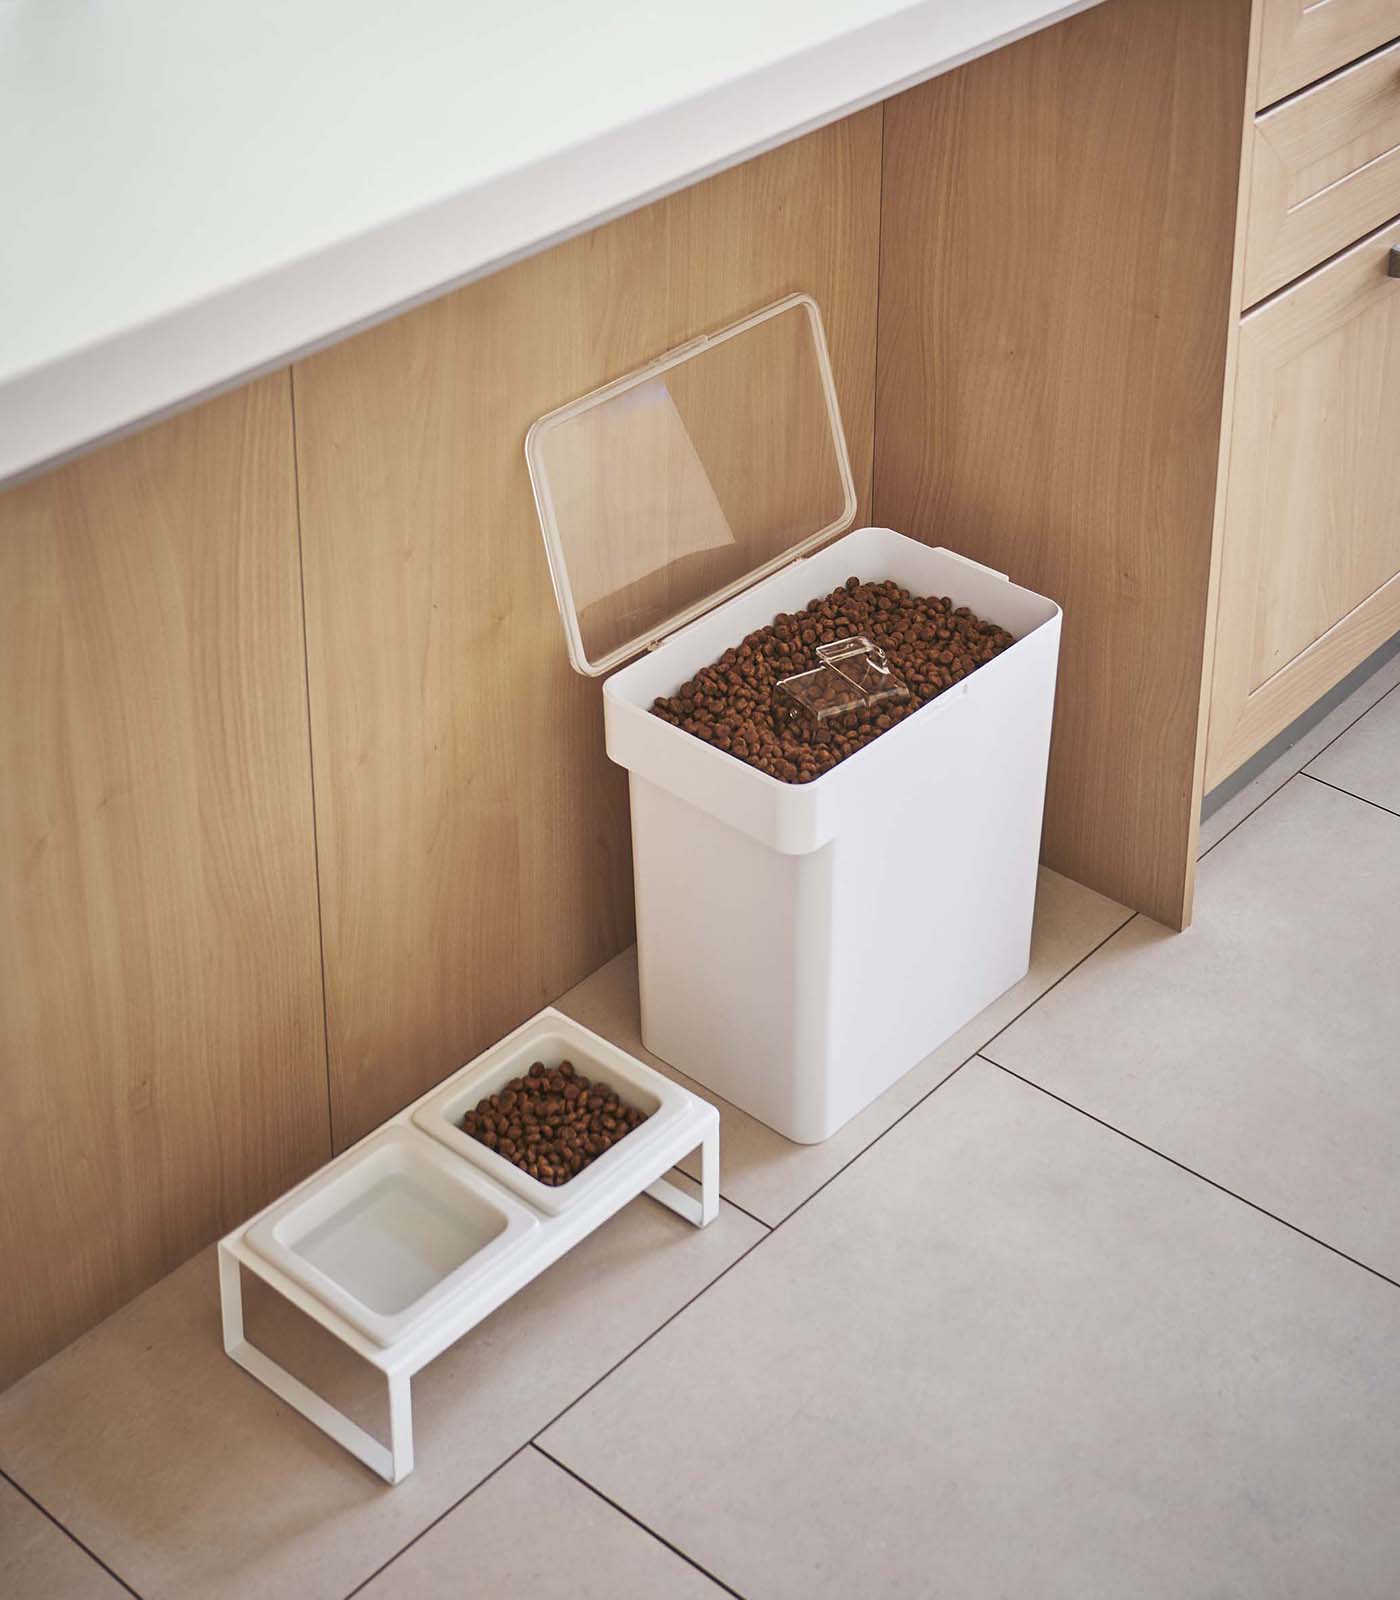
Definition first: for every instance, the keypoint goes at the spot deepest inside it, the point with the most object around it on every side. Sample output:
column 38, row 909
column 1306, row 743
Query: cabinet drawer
column 1326, row 169
column 1310, row 557
column 1303, row 40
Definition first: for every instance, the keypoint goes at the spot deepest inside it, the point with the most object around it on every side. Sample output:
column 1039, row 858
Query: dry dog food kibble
column 735, row 704
column 552, row 1122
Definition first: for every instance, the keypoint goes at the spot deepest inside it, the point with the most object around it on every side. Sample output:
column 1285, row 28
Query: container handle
column 967, row 561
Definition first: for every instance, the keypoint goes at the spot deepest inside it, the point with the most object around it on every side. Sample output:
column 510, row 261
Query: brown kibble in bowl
column 553, row 1122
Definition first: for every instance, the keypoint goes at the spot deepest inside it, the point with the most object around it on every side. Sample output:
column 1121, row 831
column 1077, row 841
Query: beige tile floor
column 1012, row 1353
column 1367, row 761
column 1262, row 1048
column 38, row 1558
column 1098, row 1301
column 531, row 1529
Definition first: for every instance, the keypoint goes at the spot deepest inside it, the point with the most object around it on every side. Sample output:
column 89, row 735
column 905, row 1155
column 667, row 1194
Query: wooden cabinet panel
column 1303, row 40
column 1309, row 583
column 161, row 1046
column 474, row 847
column 1326, row 169
column 1059, row 235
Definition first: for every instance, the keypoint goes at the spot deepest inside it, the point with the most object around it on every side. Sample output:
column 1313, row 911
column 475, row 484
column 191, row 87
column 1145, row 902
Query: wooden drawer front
column 1310, row 567
column 1303, row 40
column 1326, row 169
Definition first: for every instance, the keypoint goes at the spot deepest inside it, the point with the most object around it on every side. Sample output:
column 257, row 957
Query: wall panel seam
column 311, row 769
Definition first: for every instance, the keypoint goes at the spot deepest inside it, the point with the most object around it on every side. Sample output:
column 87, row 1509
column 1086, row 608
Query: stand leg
column 704, row 1210
column 400, row 1425
column 231, row 1299
column 393, row 1464
column 709, row 1176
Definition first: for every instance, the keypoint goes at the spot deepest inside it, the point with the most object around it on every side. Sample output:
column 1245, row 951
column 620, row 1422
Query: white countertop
column 194, row 190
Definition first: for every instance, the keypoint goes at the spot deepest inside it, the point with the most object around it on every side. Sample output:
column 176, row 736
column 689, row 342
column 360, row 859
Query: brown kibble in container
column 735, row 704
column 553, row 1122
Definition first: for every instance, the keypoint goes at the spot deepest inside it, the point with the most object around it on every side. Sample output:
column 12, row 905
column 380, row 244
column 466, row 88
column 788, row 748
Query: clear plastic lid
column 675, row 487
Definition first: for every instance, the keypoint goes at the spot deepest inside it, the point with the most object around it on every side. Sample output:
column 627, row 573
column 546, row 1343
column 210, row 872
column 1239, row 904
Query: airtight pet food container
column 799, row 946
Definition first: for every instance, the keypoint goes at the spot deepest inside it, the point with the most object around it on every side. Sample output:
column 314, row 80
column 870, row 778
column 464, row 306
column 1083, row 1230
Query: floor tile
column 1261, row 1047
column 768, row 1175
column 1010, row 1353
column 190, row 1479
column 535, row 1533
column 1365, row 761
column 40, row 1562
column 1297, row 756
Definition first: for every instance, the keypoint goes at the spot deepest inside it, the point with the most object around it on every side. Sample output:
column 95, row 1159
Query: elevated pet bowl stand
column 421, row 1195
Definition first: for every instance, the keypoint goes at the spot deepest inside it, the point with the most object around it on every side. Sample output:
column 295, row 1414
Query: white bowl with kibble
column 549, row 1039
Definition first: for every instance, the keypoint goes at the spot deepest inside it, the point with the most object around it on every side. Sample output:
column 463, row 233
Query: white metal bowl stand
column 698, row 1129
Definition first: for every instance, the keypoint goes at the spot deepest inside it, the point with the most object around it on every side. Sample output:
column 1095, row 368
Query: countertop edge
column 91, row 396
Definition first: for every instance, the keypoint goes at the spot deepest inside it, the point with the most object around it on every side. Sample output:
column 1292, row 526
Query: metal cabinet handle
column 1394, row 267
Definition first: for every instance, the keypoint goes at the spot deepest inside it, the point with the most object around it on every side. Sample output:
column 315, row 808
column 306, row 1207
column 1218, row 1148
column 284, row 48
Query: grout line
column 772, row 1229
column 604, row 1376
column 1303, row 770
column 1248, row 814
column 1336, row 788
column 637, row 1522
column 680, row 1172
column 311, row 764
column 1132, row 916
column 441, row 1516
column 769, row 1226
column 864, row 1149
column 1029, row 1005
column 547, row 1425
column 1234, row 1194
column 68, row 1533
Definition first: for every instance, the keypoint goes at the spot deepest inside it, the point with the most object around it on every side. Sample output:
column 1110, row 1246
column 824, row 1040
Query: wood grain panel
column 1059, row 224
column 161, row 1042
column 1227, row 416
column 473, row 839
column 1303, row 40
column 1325, row 170
column 1310, row 581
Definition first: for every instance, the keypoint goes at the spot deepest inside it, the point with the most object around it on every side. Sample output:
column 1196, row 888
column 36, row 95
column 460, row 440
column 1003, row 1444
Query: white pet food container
column 800, row 946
